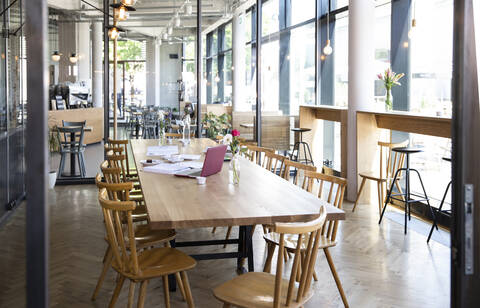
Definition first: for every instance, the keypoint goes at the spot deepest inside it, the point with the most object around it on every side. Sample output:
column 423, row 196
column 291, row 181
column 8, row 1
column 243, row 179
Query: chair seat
column 408, row 150
column 301, row 129
column 372, row 176
column 158, row 262
column 255, row 289
column 291, row 241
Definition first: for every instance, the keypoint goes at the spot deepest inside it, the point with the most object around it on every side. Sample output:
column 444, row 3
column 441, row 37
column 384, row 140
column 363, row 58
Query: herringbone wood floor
column 378, row 266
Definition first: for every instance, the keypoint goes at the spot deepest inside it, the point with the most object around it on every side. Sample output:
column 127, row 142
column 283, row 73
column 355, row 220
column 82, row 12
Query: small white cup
column 201, row 180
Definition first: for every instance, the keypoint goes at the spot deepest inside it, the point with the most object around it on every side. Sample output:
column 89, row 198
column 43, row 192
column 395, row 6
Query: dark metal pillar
column 37, row 236
column 106, row 71
column 258, row 64
column 199, row 68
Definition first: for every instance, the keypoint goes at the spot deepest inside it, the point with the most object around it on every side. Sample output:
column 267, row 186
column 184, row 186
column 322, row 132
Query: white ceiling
column 152, row 16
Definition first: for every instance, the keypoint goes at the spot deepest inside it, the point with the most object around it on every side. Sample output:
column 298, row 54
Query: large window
column 431, row 57
column 382, row 50
column 302, row 10
column 270, row 17
column 218, row 65
column 341, row 60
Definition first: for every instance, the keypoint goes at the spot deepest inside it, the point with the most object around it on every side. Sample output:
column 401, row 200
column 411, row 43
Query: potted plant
column 53, row 147
column 216, row 125
column 390, row 79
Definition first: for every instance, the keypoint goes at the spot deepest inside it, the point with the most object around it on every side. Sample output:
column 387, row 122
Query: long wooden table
column 261, row 198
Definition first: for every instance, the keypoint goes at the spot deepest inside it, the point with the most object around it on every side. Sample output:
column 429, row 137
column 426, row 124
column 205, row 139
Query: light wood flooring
column 378, row 265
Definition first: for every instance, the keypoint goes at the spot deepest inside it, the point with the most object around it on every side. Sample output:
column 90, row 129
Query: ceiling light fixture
column 176, row 20
column 188, row 8
column 56, row 56
column 169, row 30
column 113, row 33
column 73, row 58
column 129, row 2
column 121, row 11
column 327, row 50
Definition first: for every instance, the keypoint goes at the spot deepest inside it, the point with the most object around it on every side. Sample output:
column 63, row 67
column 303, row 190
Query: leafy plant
column 53, row 142
column 217, row 125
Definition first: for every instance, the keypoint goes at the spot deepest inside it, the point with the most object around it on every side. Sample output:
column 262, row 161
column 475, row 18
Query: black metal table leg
column 241, row 250
column 434, row 224
column 249, row 247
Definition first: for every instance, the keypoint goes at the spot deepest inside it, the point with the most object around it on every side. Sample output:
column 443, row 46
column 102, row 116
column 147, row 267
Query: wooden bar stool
column 406, row 196
column 390, row 162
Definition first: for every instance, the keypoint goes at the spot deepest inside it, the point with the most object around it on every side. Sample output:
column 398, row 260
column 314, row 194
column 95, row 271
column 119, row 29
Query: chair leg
column 188, row 292
column 335, row 276
column 116, row 292
column 131, row 293
column 180, row 285
column 229, row 231
column 62, row 165
column 380, row 198
column 166, row 291
column 214, row 229
column 399, row 188
column 268, row 263
column 142, row 294
column 359, row 192
column 106, row 265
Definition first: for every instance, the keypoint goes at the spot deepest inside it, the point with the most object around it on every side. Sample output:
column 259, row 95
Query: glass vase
column 234, row 170
column 389, row 100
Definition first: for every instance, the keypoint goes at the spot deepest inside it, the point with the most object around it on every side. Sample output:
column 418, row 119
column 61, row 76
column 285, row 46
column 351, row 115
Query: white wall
column 170, row 72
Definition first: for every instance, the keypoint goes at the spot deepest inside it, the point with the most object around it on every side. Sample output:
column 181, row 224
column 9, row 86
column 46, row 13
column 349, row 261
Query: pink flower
column 380, row 76
column 235, row 133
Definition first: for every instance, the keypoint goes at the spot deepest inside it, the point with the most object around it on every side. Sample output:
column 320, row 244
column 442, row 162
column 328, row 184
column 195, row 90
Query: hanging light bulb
column 176, row 20
column 113, row 33
column 165, row 36
column 327, row 50
column 121, row 13
column 73, row 58
column 188, row 8
column 129, row 2
column 169, row 30
column 56, row 56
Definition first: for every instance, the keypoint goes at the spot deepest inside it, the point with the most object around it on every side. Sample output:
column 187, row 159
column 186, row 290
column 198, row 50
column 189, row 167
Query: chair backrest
column 257, row 154
column 274, row 162
column 73, row 123
column 118, row 220
column 330, row 189
column 299, row 170
column 111, row 174
column 308, row 232
column 115, row 191
column 72, row 137
column 120, row 147
column 390, row 161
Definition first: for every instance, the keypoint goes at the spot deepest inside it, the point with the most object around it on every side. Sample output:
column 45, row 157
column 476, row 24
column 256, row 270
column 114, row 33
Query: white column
column 157, row 75
column 238, row 44
column 361, row 75
column 84, row 65
column 150, row 71
column 97, row 68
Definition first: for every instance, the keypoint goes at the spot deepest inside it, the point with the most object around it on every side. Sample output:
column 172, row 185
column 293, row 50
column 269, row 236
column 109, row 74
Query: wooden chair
column 332, row 190
column 390, row 162
column 256, row 154
column 120, row 161
column 140, row 267
column 144, row 236
column 274, row 162
column 256, row 289
column 299, row 170
column 123, row 144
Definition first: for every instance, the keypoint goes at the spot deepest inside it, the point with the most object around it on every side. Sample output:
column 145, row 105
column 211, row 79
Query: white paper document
column 162, row 150
column 190, row 156
column 167, row 168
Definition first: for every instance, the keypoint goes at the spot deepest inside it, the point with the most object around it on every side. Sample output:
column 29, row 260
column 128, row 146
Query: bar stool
column 391, row 196
column 439, row 210
column 307, row 156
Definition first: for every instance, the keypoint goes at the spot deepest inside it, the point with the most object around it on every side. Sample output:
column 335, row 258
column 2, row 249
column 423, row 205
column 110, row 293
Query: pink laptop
column 213, row 163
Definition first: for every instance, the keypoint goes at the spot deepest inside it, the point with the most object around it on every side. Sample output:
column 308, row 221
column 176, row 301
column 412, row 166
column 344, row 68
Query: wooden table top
column 261, row 197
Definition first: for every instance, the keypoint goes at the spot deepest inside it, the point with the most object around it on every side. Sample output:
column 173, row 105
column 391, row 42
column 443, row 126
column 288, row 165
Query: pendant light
column 73, row 58
column 165, row 36
column 169, row 30
column 129, row 2
column 121, row 13
column 56, row 56
column 113, row 33
column 188, row 8
column 327, row 50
